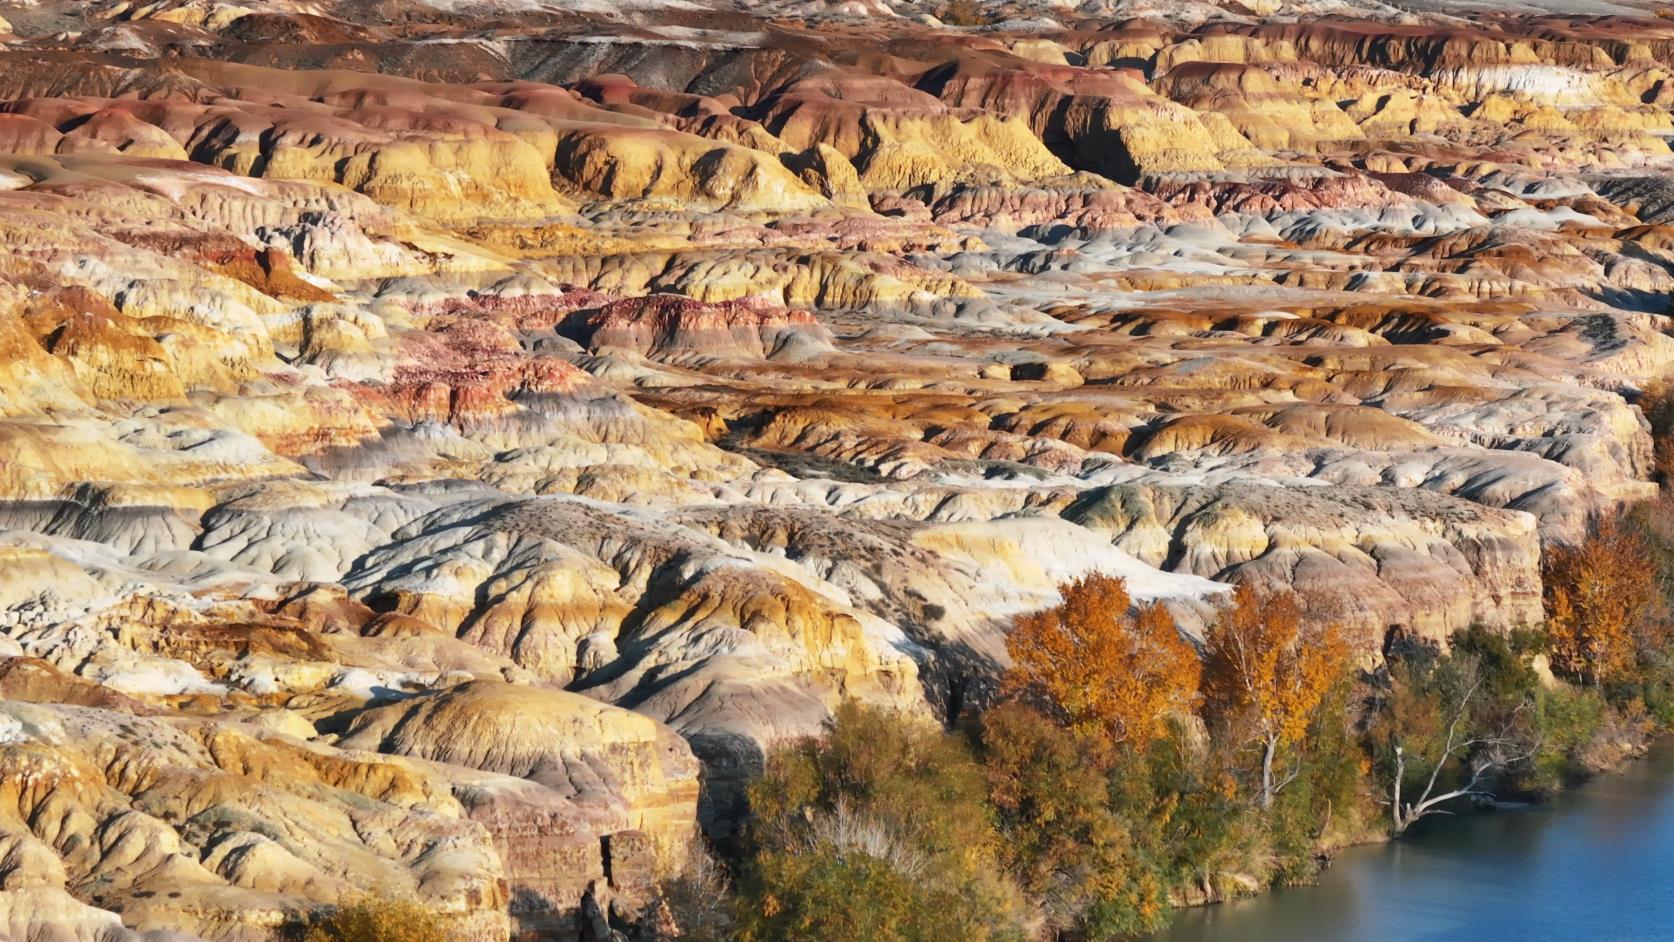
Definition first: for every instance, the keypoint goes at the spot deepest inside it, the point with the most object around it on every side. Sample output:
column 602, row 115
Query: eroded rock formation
column 443, row 446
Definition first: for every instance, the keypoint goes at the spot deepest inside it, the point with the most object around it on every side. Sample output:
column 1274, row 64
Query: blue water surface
column 1597, row 865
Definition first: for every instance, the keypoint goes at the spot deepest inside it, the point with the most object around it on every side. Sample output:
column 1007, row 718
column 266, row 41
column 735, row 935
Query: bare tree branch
column 1491, row 758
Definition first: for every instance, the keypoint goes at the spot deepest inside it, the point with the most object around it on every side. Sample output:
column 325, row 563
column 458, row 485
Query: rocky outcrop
column 215, row 829
column 1370, row 559
column 610, row 795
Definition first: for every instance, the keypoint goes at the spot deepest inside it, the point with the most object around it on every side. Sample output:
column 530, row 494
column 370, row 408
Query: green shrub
column 1064, row 843
column 885, row 803
column 1189, row 821
column 1650, row 689
column 1328, row 803
column 1570, row 721
column 839, row 895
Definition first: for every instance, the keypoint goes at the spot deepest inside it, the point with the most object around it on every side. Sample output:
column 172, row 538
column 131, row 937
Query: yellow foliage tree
column 378, row 920
column 1265, row 673
column 1600, row 592
column 963, row 13
column 1104, row 669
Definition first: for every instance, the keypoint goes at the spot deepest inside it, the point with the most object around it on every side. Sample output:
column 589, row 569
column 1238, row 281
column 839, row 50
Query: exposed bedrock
column 1370, row 558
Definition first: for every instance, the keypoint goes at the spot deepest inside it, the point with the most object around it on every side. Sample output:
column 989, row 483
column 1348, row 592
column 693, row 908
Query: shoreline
column 1547, row 874
column 1625, row 757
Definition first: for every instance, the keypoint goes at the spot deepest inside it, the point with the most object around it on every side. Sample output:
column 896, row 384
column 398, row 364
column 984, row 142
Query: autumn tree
column 1102, row 667
column 1441, row 737
column 1265, row 673
column 377, row 920
column 1600, row 593
column 1069, row 849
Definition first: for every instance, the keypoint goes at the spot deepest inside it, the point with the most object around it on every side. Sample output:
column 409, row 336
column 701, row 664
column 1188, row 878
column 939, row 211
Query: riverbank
column 1123, row 774
column 1581, row 866
column 1615, row 746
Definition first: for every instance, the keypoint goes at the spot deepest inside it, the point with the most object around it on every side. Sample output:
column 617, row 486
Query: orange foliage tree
column 1600, row 593
column 1265, row 673
column 1105, row 669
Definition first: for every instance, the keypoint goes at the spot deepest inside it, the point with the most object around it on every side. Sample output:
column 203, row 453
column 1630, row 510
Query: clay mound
column 116, row 131
column 662, row 165
column 124, row 811
column 22, row 134
column 31, row 680
column 670, row 326
column 289, row 27
column 530, row 733
column 1081, row 201
column 629, row 784
column 1355, row 427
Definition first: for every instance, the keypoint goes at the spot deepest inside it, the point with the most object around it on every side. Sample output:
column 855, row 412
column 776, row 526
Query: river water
column 1596, row 865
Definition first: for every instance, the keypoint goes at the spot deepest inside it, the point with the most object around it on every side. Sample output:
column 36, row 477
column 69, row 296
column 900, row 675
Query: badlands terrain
column 443, row 444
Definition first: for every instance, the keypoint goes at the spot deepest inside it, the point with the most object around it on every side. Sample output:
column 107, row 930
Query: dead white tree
column 1486, row 755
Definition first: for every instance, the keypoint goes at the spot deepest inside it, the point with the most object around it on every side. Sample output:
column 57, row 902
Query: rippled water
column 1597, row 865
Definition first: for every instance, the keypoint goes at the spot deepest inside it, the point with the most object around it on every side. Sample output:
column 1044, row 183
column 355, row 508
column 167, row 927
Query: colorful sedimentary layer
column 444, row 445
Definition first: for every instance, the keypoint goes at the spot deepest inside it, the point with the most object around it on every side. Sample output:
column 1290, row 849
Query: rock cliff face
column 444, row 445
